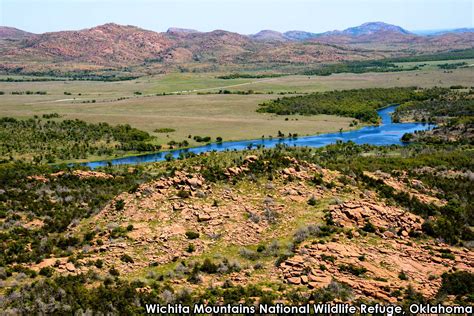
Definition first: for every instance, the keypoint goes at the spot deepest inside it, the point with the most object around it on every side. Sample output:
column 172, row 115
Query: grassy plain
column 230, row 116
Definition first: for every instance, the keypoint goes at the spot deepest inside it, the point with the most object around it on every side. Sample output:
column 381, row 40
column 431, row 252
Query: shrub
column 301, row 234
column 334, row 290
column 369, row 227
column 352, row 269
column 183, row 194
column 403, row 276
column 258, row 266
column 282, row 258
column 248, row 254
column 457, row 283
column 208, row 266
column 190, row 248
column 312, row 201
column 126, row 258
column 164, row 130
column 119, row 205
column 114, row 272
column 192, row 235
column 407, row 137
column 448, row 256
column 328, row 258
column 47, row 271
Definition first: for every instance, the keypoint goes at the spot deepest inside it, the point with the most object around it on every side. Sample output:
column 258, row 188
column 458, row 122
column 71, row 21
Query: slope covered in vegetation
column 48, row 140
column 210, row 228
column 361, row 104
column 453, row 112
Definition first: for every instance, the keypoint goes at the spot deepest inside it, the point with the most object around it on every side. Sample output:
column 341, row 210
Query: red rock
column 294, row 280
column 203, row 217
column 70, row 267
column 194, row 182
column 312, row 278
column 304, row 279
column 250, row 158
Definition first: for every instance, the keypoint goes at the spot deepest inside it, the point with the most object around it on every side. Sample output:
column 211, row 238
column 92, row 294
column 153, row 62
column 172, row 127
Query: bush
column 328, row 258
column 114, row 272
column 191, row 248
column 369, row 227
column 164, row 130
column 119, row 205
column 183, row 194
column 457, row 283
column 192, row 235
column 334, row 290
column 403, row 276
column 126, row 258
column 208, row 266
column 407, row 137
column 200, row 139
column 249, row 254
column 47, row 271
column 353, row 269
column 312, row 201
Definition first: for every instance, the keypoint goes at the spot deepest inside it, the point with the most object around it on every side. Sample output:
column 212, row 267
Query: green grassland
column 141, row 104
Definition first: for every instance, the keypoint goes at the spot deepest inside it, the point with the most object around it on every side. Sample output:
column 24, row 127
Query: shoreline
column 363, row 134
column 86, row 161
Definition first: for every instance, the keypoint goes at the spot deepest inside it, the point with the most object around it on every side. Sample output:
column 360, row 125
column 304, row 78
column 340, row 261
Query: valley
column 380, row 214
column 220, row 108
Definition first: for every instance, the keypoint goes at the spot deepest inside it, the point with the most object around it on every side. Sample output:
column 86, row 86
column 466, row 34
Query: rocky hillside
column 105, row 44
column 187, row 217
column 271, row 225
column 118, row 46
column 13, row 33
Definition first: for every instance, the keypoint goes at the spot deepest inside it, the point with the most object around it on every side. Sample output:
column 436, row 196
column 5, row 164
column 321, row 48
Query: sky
column 242, row 16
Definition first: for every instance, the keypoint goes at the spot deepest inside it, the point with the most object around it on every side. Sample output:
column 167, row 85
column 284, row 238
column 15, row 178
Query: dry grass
column 232, row 117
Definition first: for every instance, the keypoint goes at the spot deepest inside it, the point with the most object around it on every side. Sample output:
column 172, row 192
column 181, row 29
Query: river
column 387, row 133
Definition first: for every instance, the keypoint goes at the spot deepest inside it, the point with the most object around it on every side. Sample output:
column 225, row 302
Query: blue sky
column 243, row 16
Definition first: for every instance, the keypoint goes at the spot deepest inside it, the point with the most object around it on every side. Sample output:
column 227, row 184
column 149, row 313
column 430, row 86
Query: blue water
column 387, row 133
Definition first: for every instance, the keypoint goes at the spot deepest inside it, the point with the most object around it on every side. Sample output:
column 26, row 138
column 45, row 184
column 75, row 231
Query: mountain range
column 113, row 45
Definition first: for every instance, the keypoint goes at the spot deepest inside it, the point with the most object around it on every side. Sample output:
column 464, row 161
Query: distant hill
column 180, row 31
column 300, row 35
column 113, row 43
column 373, row 28
column 444, row 31
column 119, row 46
column 124, row 45
column 455, row 31
column 367, row 32
column 7, row 32
column 269, row 35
